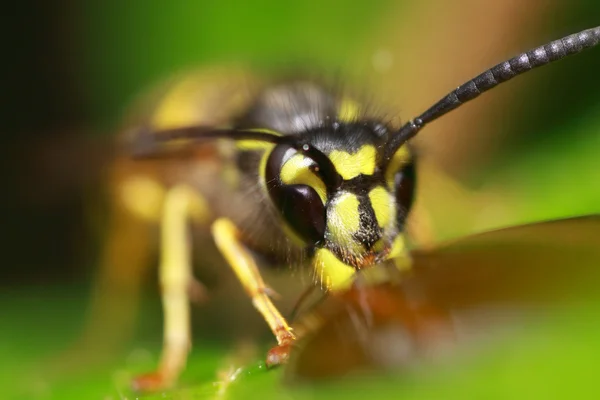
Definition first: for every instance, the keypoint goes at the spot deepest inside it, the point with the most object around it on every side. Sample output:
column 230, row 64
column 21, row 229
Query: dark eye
column 303, row 210
column 299, row 204
column 404, row 183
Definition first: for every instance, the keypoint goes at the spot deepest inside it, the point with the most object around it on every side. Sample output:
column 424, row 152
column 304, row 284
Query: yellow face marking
column 351, row 165
column 296, row 171
column 399, row 254
column 398, row 247
column 343, row 221
column 332, row 272
column 348, row 111
column 400, row 158
column 383, row 205
column 336, row 275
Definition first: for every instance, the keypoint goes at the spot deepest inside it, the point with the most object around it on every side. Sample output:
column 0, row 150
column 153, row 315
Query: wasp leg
column 227, row 239
column 181, row 204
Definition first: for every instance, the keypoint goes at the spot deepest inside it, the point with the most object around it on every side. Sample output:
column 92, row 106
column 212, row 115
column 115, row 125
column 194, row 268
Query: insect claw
column 278, row 355
column 150, row 382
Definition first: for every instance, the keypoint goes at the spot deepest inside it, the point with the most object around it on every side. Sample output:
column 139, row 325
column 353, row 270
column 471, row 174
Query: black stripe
column 362, row 184
column 369, row 231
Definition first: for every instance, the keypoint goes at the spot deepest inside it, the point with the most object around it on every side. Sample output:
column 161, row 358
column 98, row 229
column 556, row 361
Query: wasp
column 305, row 175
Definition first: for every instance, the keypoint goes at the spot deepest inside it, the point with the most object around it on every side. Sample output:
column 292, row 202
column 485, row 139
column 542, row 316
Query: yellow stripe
column 332, row 272
column 249, row 145
column 400, row 158
column 382, row 203
column 351, row 165
column 262, row 169
column 252, row 144
column 343, row 221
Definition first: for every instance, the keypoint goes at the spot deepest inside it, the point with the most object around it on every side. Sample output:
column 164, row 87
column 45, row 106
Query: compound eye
column 303, row 210
column 298, row 202
column 404, row 183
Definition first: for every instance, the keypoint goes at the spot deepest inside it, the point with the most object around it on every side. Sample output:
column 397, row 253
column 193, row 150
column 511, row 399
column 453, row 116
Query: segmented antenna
column 494, row 76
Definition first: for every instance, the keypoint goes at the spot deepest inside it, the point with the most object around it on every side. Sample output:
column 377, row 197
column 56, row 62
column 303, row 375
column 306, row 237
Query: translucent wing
column 539, row 262
column 458, row 287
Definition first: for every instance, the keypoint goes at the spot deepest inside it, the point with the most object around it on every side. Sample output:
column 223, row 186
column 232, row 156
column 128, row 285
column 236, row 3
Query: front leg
column 227, row 239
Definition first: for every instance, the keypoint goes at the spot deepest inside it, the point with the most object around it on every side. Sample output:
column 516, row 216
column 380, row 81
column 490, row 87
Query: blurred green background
column 527, row 151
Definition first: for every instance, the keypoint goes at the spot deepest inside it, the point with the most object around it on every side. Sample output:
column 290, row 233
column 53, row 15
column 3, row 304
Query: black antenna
column 148, row 143
column 494, row 76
